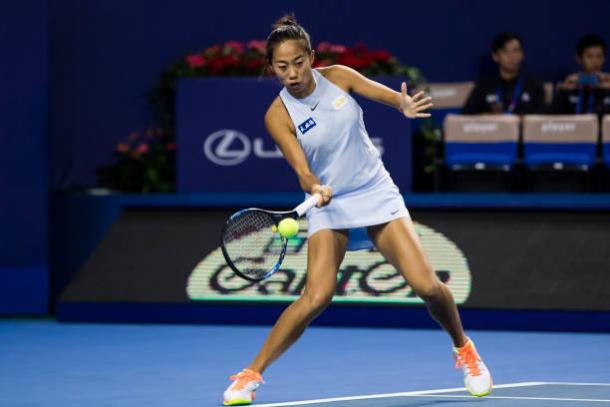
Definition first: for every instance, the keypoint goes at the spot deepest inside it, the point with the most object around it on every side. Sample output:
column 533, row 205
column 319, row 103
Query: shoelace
column 468, row 356
column 244, row 377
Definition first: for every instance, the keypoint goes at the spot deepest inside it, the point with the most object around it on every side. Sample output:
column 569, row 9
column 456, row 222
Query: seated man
column 510, row 91
column 587, row 91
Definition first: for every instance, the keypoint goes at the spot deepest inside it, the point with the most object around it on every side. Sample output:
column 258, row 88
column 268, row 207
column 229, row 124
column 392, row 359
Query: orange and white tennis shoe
column 243, row 389
column 476, row 375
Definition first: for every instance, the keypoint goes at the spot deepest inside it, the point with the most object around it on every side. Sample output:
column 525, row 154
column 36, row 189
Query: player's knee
column 429, row 291
column 318, row 301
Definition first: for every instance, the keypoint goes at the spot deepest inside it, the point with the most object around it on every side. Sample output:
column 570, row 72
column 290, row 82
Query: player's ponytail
column 284, row 29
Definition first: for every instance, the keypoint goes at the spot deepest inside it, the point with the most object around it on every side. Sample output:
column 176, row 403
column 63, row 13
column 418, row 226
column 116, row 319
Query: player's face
column 592, row 59
column 510, row 56
column 292, row 65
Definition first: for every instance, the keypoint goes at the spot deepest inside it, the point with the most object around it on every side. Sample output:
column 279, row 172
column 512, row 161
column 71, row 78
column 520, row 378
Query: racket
column 251, row 244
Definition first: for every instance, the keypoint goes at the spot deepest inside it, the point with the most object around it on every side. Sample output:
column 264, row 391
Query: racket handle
column 307, row 204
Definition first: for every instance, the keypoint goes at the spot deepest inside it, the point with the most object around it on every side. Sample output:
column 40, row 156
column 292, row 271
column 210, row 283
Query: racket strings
column 251, row 243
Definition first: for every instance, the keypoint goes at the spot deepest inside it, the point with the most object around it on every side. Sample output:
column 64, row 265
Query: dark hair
column 284, row 29
column 501, row 39
column 588, row 41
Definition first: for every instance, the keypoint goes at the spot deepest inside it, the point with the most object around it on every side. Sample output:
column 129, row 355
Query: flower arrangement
column 146, row 164
column 248, row 59
column 235, row 58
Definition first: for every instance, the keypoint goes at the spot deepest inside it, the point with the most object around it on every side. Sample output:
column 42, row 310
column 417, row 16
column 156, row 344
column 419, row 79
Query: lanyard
column 514, row 99
column 580, row 100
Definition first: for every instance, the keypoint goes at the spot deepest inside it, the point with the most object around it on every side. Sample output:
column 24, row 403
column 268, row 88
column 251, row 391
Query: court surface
column 44, row 363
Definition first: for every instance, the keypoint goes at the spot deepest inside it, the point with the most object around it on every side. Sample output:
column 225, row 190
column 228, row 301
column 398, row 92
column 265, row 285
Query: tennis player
column 319, row 128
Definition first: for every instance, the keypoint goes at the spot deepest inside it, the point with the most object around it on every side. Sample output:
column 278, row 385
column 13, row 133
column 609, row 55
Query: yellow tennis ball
column 288, row 227
column 274, row 229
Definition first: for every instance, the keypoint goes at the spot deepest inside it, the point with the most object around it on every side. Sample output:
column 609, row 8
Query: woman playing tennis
column 319, row 128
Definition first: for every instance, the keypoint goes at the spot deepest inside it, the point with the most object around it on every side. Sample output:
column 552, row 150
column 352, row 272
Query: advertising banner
column 489, row 260
column 223, row 145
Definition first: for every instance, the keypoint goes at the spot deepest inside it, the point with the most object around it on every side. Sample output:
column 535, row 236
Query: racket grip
column 307, row 204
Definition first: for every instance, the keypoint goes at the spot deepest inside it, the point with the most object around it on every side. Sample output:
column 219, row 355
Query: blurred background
column 130, row 130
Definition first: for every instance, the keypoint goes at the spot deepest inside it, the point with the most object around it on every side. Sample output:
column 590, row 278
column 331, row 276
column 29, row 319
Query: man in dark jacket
column 510, row 91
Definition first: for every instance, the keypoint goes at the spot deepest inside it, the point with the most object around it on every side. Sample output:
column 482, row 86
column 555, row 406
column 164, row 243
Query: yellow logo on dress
column 340, row 102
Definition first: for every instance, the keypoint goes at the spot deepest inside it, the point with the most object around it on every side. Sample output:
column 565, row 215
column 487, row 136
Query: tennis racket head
column 251, row 244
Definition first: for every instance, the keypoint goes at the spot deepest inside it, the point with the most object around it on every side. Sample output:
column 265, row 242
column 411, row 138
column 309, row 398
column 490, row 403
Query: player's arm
column 352, row 81
column 279, row 126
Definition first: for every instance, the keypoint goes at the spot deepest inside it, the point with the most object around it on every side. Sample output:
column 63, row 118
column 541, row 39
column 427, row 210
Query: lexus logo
column 227, row 147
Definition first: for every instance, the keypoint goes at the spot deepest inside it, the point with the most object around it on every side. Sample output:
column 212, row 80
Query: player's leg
column 398, row 242
column 325, row 252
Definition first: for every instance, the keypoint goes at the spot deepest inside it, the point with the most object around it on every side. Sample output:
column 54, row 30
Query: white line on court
column 577, row 384
column 511, row 398
column 387, row 395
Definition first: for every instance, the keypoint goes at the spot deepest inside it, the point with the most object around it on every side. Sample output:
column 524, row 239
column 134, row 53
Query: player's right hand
column 325, row 191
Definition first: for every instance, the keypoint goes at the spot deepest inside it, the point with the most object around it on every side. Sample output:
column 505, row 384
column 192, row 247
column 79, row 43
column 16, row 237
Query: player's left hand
column 413, row 106
column 326, row 193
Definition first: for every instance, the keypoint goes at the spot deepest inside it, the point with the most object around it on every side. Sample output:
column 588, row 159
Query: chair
column 481, row 142
column 485, row 144
column 450, row 95
column 447, row 97
column 556, row 148
column 560, row 141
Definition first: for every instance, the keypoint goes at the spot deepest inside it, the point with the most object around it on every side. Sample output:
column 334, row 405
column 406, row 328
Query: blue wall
column 105, row 55
column 98, row 59
column 23, row 157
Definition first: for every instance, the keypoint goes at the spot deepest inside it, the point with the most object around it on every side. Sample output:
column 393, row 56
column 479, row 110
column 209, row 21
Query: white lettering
column 440, row 93
column 230, row 147
column 480, row 127
column 555, row 127
column 260, row 151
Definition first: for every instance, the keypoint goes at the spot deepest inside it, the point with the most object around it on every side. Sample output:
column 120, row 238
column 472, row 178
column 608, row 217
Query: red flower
column 122, row 147
column 195, row 61
column 356, row 60
column 133, row 136
column 322, row 63
column 220, row 64
column 235, row 46
column 324, row 46
column 260, row 46
column 211, row 51
column 381, row 55
column 254, row 64
column 142, row 149
column 339, row 49
column 360, row 48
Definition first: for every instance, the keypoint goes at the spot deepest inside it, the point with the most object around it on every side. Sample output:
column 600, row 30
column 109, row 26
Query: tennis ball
column 288, row 227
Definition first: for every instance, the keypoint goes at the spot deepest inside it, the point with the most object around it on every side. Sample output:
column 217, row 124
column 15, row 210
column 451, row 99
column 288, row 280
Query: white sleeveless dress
column 330, row 129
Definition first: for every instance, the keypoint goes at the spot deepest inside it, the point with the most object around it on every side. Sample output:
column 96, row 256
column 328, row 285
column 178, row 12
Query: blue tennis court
column 45, row 363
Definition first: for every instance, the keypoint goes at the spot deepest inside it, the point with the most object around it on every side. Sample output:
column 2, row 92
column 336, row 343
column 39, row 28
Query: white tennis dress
column 330, row 129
